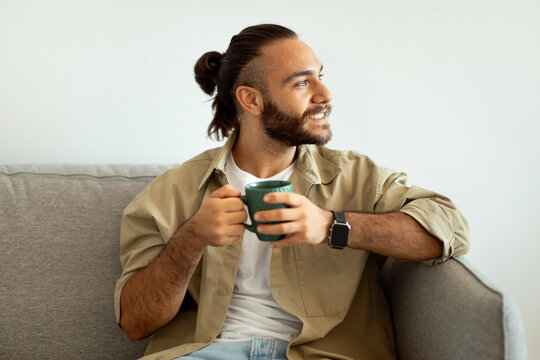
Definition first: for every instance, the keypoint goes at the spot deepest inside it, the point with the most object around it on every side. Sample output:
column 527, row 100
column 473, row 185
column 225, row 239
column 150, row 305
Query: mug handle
column 249, row 227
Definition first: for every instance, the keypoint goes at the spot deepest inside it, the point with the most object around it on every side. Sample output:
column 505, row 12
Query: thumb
column 225, row 191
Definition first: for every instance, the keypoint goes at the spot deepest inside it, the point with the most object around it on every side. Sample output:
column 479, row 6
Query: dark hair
column 222, row 71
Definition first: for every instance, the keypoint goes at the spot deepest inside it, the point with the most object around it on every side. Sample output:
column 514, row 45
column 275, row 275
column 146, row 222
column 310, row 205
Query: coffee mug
column 254, row 200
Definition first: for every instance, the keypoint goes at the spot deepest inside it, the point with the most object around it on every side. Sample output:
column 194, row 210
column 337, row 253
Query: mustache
column 327, row 108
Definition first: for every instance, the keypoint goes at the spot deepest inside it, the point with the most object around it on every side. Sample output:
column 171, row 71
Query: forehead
column 282, row 58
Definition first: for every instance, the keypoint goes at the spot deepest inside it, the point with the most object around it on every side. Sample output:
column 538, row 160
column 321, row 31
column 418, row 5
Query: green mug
column 254, row 201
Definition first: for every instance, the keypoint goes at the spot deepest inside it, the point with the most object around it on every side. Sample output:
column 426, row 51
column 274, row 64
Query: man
column 207, row 289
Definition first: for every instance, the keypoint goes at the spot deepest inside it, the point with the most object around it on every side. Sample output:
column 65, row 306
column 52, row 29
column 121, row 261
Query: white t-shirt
column 253, row 312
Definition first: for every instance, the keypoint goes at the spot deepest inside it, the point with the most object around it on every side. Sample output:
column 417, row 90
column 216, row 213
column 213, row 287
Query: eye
column 302, row 83
column 321, row 76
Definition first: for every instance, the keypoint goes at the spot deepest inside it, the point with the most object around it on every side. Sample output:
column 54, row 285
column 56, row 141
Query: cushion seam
column 78, row 175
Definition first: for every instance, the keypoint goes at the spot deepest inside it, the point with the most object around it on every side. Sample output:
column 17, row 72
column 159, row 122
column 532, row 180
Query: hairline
column 253, row 74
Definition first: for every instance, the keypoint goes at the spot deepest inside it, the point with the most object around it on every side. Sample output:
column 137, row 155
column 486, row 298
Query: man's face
column 296, row 102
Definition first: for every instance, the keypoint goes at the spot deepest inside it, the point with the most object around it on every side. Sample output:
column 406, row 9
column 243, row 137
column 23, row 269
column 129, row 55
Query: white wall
column 447, row 91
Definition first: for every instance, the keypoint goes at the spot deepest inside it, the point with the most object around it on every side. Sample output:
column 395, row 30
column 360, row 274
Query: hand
column 304, row 221
column 219, row 220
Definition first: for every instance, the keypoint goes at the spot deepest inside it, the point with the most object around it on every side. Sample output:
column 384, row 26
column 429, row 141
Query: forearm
column 395, row 234
column 152, row 297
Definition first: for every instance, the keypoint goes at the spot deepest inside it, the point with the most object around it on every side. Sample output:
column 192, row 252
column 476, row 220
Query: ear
column 250, row 99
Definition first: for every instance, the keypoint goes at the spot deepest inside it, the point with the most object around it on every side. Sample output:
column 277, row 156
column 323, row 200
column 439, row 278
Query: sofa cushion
column 450, row 312
column 59, row 235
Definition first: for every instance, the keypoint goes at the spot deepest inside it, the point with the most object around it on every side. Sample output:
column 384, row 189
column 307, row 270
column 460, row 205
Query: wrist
column 327, row 223
column 189, row 238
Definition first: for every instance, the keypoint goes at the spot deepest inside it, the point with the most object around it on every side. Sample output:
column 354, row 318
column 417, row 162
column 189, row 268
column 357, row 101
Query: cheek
column 293, row 103
column 297, row 106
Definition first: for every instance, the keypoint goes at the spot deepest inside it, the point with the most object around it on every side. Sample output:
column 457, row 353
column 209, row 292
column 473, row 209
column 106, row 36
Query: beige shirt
column 335, row 293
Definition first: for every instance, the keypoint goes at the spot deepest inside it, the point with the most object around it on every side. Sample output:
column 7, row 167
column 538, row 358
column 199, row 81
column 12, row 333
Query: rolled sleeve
column 140, row 243
column 436, row 213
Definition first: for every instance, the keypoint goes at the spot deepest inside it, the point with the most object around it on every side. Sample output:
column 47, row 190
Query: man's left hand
column 303, row 221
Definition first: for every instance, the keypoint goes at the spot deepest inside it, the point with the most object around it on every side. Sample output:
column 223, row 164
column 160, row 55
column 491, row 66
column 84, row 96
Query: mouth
column 318, row 116
column 319, row 113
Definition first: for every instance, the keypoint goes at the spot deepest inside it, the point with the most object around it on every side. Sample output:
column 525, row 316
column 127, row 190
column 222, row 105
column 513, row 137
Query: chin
column 321, row 138
column 322, row 133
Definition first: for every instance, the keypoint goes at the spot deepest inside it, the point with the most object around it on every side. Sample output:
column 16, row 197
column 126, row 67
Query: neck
column 261, row 156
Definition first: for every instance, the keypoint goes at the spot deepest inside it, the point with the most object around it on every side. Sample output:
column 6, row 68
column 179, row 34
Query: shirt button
column 234, row 245
column 208, row 339
column 222, row 292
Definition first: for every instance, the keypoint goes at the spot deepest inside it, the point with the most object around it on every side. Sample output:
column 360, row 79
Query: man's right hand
column 219, row 219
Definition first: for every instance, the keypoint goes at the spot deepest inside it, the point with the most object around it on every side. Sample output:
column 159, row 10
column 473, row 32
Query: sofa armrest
column 450, row 311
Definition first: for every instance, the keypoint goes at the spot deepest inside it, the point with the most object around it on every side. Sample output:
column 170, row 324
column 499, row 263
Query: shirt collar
column 310, row 163
column 218, row 163
column 314, row 166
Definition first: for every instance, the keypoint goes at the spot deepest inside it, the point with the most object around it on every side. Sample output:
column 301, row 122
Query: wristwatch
column 339, row 231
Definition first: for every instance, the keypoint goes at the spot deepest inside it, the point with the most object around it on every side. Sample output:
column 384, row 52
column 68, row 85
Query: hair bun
column 206, row 70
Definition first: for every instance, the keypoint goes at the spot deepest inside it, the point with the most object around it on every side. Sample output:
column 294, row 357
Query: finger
column 279, row 229
column 287, row 198
column 226, row 240
column 236, row 217
column 225, row 191
column 232, row 204
column 278, row 215
column 235, row 230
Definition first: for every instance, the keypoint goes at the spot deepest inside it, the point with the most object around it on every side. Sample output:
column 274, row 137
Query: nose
column 321, row 95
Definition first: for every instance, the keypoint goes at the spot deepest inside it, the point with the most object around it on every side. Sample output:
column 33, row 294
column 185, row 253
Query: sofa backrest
column 59, row 235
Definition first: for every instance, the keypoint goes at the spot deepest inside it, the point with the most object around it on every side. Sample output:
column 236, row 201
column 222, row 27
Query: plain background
column 447, row 91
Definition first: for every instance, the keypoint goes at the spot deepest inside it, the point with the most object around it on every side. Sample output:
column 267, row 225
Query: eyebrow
column 299, row 74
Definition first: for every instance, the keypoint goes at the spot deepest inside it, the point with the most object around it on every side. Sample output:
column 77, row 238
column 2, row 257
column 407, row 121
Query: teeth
column 318, row 116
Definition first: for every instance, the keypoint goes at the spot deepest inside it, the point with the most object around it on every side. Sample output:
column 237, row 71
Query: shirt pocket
column 328, row 283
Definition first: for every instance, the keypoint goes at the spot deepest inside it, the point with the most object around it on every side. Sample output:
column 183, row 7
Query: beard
column 289, row 129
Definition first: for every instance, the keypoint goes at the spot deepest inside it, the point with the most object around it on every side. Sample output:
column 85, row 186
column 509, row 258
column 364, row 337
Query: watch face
column 340, row 234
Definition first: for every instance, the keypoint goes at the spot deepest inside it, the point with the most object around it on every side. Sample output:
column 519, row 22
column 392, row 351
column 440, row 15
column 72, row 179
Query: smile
column 318, row 116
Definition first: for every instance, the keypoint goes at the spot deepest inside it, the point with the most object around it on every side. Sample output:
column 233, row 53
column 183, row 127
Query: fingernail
column 257, row 217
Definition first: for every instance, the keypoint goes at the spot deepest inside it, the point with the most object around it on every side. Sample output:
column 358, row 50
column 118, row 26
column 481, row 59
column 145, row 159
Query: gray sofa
column 59, row 229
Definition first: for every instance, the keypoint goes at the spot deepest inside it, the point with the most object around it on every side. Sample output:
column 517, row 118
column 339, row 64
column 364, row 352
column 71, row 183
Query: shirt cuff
column 435, row 221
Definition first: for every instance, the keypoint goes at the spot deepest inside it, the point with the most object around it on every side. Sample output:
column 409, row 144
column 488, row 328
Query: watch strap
column 339, row 216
